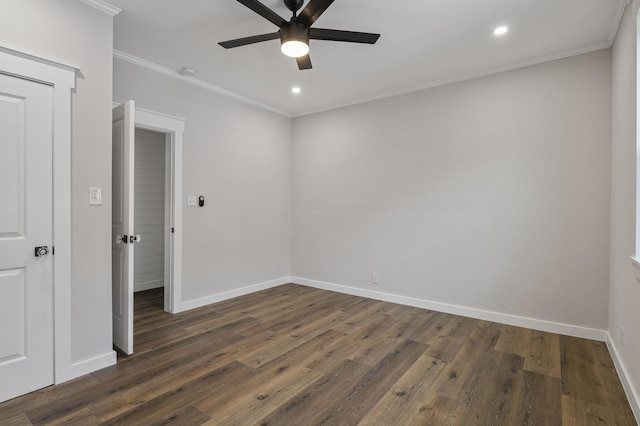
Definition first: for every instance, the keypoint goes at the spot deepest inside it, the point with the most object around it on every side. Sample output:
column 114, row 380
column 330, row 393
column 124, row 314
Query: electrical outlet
column 375, row 278
column 622, row 336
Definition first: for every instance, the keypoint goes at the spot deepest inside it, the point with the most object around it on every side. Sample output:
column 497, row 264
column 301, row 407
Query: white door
column 122, row 226
column 26, row 281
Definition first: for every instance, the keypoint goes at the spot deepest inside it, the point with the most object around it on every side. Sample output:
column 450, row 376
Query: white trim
column 636, row 266
column 632, row 394
column 41, row 60
column 622, row 5
column 62, row 78
column 97, row 363
column 518, row 321
column 384, row 95
column 230, row 294
column 454, row 79
column 636, row 257
column 174, row 127
column 636, row 20
column 102, row 6
column 169, row 200
column 203, row 84
column 162, row 118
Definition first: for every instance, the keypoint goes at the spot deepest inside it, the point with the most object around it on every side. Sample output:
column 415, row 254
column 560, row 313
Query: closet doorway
column 147, row 215
column 151, row 211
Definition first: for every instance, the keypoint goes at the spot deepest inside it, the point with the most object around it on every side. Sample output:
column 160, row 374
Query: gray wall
column 75, row 34
column 237, row 156
column 491, row 194
column 625, row 290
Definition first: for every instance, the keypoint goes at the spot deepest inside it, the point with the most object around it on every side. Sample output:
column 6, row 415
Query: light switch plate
column 95, row 196
column 192, row 201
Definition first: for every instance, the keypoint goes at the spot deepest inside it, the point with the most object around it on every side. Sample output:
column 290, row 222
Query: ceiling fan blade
column 312, row 12
column 340, row 35
column 264, row 11
column 304, row 62
column 249, row 40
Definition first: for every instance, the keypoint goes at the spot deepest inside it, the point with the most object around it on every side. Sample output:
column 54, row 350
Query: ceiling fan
column 295, row 34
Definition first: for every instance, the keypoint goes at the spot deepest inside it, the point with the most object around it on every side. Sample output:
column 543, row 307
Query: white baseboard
column 230, row 294
column 518, row 321
column 90, row 365
column 148, row 285
column 632, row 394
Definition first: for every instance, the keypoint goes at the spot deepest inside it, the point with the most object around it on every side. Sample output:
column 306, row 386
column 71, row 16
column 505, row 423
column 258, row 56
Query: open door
column 122, row 242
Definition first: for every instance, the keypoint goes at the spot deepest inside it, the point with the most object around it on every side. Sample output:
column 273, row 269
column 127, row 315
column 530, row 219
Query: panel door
column 122, row 226
column 26, row 218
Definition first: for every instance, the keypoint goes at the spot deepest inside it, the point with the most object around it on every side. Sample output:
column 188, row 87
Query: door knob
column 42, row 251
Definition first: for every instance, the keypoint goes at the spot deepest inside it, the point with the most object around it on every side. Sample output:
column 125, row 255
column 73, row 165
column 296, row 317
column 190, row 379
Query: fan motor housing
column 293, row 5
column 294, row 31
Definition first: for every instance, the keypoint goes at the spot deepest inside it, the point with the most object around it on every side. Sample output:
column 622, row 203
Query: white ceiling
column 424, row 43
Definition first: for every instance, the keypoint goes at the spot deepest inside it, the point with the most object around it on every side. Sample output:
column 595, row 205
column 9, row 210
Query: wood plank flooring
column 294, row 355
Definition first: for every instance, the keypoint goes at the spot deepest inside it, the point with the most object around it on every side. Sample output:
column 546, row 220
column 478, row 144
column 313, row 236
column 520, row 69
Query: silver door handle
column 42, row 251
column 126, row 239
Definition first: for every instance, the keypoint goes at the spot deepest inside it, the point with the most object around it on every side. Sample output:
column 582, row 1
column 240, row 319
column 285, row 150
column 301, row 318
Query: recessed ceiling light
column 296, row 90
column 501, row 30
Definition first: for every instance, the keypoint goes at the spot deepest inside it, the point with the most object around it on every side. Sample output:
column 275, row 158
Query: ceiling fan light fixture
column 295, row 33
column 294, row 48
column 295, row 40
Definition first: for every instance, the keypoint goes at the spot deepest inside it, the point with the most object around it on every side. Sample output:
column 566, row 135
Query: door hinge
column 53, row 250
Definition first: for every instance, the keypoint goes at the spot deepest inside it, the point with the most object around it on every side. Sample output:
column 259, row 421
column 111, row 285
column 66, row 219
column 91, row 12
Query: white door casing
column 26, row 221
column 62, row 80
column 173, row 128
column 123, row 225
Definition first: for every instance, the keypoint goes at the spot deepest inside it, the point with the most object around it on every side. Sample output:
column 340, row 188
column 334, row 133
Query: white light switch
column 95, row 196
column 192, row 201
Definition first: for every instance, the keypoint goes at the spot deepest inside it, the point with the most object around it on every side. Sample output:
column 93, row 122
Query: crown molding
column 102, row 6
column 191, row 80
column 455, row 79
column 622, row 5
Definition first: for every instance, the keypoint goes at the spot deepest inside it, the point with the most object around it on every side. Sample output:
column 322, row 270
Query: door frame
column 62, row 78
column 173, row 128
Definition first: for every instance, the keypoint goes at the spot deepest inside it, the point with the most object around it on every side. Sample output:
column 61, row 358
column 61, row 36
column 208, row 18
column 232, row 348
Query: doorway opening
column 172, row 129
column 152, row 219
column 147, row 176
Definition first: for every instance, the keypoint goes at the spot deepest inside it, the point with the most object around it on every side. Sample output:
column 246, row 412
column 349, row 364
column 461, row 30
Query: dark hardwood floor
column 294, row 355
